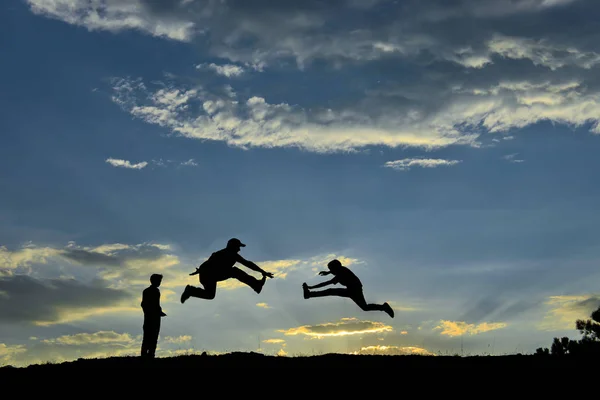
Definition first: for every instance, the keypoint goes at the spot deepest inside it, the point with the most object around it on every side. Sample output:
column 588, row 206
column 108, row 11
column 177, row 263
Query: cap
column 235, row 242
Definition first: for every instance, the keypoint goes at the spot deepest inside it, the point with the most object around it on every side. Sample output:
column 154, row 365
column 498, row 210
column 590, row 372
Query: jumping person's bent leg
column 208, row 292
column 256, row 284
column 359, row 299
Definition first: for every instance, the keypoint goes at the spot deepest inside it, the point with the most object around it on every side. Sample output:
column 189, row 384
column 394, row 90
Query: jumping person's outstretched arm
column 252, row 266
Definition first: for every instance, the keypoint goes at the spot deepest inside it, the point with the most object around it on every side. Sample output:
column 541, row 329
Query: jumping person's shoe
column 260, row 285
column 388, row 309
column 306, row 291
column 186, row 294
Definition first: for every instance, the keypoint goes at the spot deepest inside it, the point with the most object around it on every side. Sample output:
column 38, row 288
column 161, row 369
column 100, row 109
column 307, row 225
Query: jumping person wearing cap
column 220, row 267
column 353, row 290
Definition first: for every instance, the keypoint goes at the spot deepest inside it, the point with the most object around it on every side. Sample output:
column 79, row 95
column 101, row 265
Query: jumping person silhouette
column 353, row 290
column 152, row 315
column 220, row 267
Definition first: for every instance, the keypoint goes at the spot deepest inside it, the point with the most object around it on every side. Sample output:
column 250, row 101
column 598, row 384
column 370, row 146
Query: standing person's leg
column 146, row 337
column 150, row 336
column 208, row 292
column 256, row 284
column 153, row 341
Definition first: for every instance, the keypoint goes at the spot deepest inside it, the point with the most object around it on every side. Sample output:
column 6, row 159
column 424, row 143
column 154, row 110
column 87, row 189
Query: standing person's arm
column 161, row 312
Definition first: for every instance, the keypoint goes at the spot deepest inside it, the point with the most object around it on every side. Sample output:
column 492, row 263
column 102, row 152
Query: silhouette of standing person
column 220, row 267
column 152, row 315
column 353, row 290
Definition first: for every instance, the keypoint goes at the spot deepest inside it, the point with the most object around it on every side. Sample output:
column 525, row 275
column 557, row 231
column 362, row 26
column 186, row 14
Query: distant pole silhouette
column 220, row 267
column 152, row 315
column 353, row 288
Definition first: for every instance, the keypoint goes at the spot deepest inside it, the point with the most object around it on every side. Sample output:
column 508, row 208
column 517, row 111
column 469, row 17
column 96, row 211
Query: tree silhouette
column 588, row 345
column 590, row 328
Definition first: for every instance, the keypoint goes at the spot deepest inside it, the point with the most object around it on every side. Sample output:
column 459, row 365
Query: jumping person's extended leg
column 340, row 292
column 209, row 292
column 256, row 284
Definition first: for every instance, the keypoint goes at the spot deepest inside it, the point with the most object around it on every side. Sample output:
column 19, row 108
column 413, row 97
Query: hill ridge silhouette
column 240, row 359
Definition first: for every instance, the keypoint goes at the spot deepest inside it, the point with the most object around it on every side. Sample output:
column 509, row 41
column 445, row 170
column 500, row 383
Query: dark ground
column 337, row 361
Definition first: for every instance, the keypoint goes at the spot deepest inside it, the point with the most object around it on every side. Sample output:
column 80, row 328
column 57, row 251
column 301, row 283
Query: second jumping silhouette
column 353, row 290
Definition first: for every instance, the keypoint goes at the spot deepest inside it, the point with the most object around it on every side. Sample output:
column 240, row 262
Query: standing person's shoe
column 388, row 309
column 186, row 294
column 305, row 290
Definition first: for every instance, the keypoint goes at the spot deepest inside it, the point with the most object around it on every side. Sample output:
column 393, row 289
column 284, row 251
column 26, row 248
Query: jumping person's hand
column 265, row 273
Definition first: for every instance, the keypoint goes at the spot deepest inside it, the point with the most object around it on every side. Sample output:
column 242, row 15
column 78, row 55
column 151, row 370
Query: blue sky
column 445, row 151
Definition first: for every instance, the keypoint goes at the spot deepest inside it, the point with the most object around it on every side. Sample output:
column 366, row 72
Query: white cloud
column 9, row 353
column 190, row 163
column 126, row 164
column 393, row 350
column 117, row 261
column 114, row 16
column 512, row 158
column 540, row 52
column 255, row 122
column 178, row 339
column 91, row 338
column 442, row 118
column 461, row 328
column 344, row 327
column 26, row 256
column 408, row 163
column 564, row 311
column 228, row 70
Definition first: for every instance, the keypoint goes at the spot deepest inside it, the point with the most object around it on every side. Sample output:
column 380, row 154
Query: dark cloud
column 90, row 257
column 26, row 299
column 589, row 305
column 114, row 257
column 334, row 30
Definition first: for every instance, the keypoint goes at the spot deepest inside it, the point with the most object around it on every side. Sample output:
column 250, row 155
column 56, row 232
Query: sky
column 444, row 151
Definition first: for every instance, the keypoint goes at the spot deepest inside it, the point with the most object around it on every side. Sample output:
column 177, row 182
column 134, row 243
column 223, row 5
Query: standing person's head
column 235, row 244
column 334, row 266
column 156, row 279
